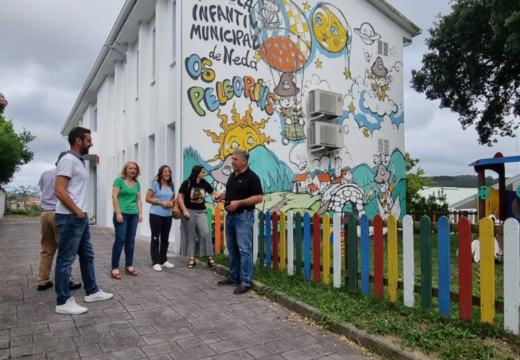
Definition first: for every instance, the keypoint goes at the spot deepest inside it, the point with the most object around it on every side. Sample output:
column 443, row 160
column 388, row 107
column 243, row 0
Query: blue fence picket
column 444, row 265
column 307, row 244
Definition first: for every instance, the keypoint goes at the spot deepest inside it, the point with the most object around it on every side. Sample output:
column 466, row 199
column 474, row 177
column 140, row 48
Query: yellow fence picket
column 487, row 272
column 393, row 273
column 326, row 249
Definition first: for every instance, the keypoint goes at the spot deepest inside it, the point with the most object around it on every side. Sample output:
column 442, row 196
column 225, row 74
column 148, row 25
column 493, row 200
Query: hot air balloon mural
column 284, row 43
column 332, row 32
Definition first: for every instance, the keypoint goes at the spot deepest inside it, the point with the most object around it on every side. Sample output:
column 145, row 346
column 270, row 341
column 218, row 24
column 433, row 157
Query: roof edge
column 114, row 33
column 396, row 16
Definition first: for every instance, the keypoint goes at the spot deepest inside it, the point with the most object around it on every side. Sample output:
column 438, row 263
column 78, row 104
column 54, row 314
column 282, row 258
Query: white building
column 184, row 83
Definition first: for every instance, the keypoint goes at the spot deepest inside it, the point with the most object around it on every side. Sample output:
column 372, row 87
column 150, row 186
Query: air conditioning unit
column 325, row 136
column 325, row 105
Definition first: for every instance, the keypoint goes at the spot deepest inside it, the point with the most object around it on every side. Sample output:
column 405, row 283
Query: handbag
column 176, row 211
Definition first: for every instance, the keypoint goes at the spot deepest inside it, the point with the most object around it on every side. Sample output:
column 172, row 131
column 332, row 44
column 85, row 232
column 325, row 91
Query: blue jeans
column 125, row 237
column 74, row 238
column 239, row 233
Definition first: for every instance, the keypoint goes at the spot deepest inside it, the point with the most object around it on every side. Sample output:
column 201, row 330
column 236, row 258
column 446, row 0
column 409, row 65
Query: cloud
column 44, row 62
column 381, row 108
column 315, row 83
column 367, row 146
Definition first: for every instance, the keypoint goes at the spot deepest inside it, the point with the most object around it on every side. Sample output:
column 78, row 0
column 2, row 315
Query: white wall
column 133, row 107
column 2, row 203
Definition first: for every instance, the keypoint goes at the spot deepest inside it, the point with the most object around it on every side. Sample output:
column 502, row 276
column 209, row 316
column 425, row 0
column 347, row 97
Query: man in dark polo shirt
column 243, row 192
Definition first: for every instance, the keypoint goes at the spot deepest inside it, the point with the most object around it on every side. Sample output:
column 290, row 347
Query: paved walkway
column 176, row 314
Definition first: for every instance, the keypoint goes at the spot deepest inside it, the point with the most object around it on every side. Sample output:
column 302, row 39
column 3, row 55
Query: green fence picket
column 426, row 263
column 352, row 254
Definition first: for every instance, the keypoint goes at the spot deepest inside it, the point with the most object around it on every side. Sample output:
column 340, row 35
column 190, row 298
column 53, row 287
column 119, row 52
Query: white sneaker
column 168, row 265
column 157, row 267
column 99, row 296
column 70, row 308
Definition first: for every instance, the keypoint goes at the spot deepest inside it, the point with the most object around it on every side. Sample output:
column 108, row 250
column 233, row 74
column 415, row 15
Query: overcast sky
column 49, row 47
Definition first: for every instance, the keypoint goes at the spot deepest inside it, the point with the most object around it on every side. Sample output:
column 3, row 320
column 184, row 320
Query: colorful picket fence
column 306, row 251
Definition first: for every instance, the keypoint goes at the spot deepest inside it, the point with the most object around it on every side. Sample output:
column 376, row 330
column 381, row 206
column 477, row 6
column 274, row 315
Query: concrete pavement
column 175, row 314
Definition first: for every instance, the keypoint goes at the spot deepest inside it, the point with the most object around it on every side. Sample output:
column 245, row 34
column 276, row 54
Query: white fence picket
column 511, row 275
column 337, row 250
column 408, row 261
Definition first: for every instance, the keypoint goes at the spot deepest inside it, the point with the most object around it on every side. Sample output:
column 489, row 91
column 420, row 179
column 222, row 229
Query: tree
column 415, row 182
column 14, row 151
column 432, row 204
column 473, row 66
column 21, row 194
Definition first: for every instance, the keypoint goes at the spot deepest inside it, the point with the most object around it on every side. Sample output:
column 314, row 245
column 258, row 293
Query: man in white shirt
column 71, row 189
column 48, row 229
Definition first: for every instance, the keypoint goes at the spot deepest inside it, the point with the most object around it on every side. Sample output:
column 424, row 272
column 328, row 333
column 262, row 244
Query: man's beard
column 84, row 150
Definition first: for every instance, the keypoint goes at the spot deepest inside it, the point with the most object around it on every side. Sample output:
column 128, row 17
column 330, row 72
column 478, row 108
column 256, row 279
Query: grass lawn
column 30, row 212
column 429, row 332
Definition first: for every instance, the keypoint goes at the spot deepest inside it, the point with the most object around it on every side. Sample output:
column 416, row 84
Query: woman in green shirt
column 126, row 197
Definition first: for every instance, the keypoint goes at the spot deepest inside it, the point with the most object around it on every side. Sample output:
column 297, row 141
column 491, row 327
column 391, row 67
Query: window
column 154, row 48
column 123, row 158
column 382, row 48
column 383, row 147
column 151, row 157
column 94, row 120
column 136, row 152
column 170, row 145
column 114, row 174
column 174, row 29
column 137, row 75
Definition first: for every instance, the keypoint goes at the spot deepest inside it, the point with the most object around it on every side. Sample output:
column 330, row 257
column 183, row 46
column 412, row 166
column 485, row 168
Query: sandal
column 130, row 272
column 192, row 263
column 212, row 263
column 115, row 275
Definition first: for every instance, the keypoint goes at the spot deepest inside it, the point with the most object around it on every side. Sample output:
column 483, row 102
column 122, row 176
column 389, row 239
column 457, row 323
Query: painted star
column 318, row 63
column 347, row 73
column 306, row 6
column 351, row 107
column 257, row 56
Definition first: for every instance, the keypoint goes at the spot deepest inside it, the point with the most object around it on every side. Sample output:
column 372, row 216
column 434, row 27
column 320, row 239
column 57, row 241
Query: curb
column 362, row 338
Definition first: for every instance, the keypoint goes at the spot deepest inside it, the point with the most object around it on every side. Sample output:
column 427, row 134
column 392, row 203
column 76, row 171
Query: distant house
column 337, row 180
column 301, row 184
column 321, row 181
column 347, row 175
column 17, row 204
column 36, row 202
column 453, row 195
column 314, row 190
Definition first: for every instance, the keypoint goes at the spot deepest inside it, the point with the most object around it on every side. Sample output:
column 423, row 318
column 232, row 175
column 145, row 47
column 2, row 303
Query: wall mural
column 250, row 68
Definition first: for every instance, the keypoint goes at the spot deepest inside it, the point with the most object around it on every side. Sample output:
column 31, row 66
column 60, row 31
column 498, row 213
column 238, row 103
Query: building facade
column 186, row 83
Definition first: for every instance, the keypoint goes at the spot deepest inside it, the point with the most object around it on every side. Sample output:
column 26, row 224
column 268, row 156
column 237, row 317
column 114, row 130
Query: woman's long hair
column 195, row 171
column 123, row 173
column 159, row 176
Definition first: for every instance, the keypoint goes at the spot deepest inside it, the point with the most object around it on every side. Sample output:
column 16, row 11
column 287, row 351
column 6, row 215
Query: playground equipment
column 501, row 203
